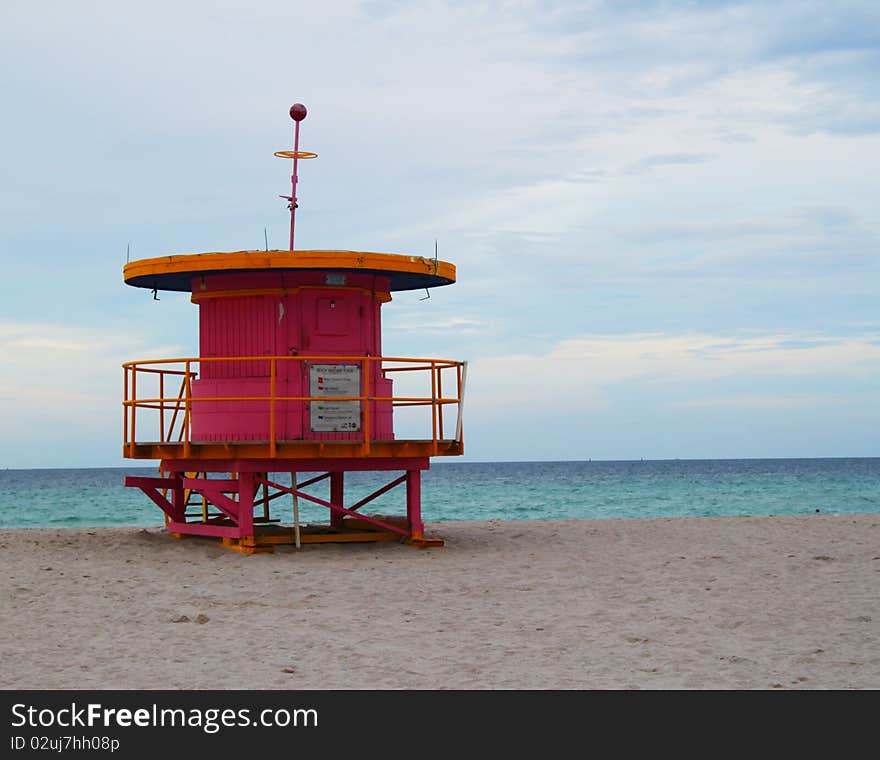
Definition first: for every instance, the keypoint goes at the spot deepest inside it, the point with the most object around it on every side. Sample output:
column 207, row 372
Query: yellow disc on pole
column 295, row 154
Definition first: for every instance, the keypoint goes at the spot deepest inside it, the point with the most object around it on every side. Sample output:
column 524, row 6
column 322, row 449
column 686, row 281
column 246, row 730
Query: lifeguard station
column 290, row 378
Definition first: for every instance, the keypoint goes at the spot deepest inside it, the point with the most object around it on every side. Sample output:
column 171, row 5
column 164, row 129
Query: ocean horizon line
column 459, row 461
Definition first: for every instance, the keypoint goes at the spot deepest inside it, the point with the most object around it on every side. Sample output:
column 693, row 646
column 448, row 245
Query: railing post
column 434, row 406
column 365, row 396
column 440, row 396
column 180, row 395
column 162, row 406
column 125, row 406
column 462, row 382
column 187, row 411
column 133, row 409
column 273, row 365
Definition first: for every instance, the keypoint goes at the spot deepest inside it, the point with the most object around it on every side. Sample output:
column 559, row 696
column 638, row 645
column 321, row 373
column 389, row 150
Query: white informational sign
column 334, row 278
column 329, row 380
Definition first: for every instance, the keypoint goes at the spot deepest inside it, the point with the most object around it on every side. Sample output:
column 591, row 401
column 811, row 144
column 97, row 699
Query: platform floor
column 397, row 449
column 267, row 536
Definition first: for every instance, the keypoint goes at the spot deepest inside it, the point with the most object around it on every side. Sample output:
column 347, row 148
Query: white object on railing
column 295, row 509
column 461, row 401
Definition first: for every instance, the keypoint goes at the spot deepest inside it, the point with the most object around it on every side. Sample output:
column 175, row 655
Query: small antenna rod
column 297, row 113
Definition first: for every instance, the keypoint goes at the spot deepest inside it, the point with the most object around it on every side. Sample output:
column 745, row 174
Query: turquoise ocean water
column 494, row 491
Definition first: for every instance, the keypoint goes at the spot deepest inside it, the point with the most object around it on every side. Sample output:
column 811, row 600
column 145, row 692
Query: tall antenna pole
column 297, row 113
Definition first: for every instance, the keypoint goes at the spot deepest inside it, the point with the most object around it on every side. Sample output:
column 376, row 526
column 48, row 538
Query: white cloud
column 585, row 371
column 751, row 402
column 64, row 375
column 457, row 325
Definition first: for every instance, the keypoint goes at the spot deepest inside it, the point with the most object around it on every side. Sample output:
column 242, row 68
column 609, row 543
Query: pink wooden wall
column 283, row 314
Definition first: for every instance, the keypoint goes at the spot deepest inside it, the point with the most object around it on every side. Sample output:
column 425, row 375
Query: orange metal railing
column 172, row 414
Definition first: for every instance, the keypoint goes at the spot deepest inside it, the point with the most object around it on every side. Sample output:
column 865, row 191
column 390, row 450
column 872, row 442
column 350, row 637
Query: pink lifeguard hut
column 290, row 378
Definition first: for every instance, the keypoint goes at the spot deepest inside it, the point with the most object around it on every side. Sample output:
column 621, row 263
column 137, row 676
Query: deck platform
column 244, row 450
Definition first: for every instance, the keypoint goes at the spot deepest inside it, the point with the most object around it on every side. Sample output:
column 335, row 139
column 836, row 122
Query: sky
column 664, row 215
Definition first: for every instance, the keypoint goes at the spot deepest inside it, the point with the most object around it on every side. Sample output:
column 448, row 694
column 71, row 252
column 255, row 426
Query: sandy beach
column 681, row 603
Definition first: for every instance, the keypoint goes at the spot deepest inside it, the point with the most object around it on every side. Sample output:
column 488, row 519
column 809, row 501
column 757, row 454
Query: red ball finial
column 298, row 112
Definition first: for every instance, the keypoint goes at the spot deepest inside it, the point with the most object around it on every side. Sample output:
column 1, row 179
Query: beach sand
column 788, row 602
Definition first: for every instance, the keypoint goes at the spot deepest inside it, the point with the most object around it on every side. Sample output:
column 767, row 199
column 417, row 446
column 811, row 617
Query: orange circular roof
column 176, row 272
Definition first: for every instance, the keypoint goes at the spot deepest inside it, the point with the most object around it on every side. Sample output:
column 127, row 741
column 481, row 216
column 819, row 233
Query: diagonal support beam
column 215, row 484
column 314, row 480
column 151, row 486
column 335, row 507
column 377, row 494
column 216, row 496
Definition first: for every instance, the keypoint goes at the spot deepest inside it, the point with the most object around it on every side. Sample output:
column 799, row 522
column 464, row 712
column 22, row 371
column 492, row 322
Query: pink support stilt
column 337, row 496
column 414, row 503
column 177, row 500
column 246, row 490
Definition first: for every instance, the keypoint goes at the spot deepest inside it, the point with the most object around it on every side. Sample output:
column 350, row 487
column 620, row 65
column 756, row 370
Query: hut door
column 332, row 323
